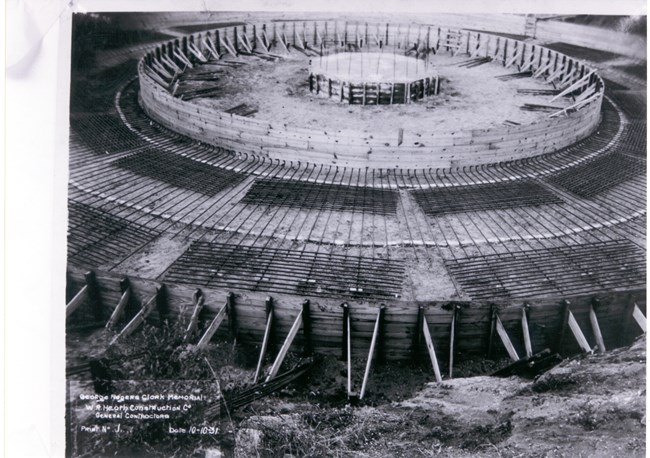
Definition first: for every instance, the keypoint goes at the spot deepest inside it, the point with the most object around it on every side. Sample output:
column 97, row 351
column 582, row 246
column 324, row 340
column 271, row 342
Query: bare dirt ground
column 590, row 406
column 587, row 406
column 469, row 98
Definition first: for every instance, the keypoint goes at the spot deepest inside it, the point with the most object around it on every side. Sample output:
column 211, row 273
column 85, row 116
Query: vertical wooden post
column 306, row 328
column 625, row 329
column 493, row 325
column 346, row 330
column 417, row 336
column 232, row 316
column 162, row 304
column 563, row 325
column 524, row 327
column 93, row 296
column 595, row 326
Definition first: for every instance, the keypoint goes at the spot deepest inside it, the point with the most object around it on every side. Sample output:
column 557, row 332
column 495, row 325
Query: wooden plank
column 506, row 340
column 76, row 301
column 581, row 82
column 596, row 329
column 577, row 333
column 432, row 351
column 212, row 328
column 526, row 332
column 137, row 320
column 639, row 318
column 371, row 352
column 285, row 347
column 197, row 301
column 265, row 340
column 121, row 305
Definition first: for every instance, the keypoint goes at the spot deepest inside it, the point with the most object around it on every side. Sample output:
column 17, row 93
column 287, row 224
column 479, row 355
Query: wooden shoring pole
column 285, row 347
column 430, row 348
column 76, row 301
column 586, row 93
column 639, row 318
column 266, row 339
column 228, row 48
column 125, row 287
column 595, row 327
column 283, row 42
column 232, row 49
column 577, row 333
column 371, row 352
column 242, row 42
column 575, row 106
column 526, row 332
column 194, row 50
column 212, row 328
column 138, row 319
column 161, row 69
column 581, row 82
column 182, row 57
column 210, row 46
column 197, row 300
column 267, row 44
column 452, row 340
column 505, row 339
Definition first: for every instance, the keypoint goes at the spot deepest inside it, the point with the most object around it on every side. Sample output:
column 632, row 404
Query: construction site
column 358, row 235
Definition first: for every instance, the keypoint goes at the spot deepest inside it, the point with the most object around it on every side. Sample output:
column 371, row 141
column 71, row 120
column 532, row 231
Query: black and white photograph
column 389, row 232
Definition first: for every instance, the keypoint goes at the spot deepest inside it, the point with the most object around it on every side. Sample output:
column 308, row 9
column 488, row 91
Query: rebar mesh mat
column 180, row 171
column 491, row 196
column 288, row 271
column 321, row 196
column 565, row 270
column 96, row 238
column 598, row 175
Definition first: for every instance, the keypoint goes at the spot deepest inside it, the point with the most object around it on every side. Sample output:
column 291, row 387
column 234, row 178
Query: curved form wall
column 348, row 148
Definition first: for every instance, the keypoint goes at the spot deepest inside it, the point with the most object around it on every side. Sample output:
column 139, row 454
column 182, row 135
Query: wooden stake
column 505, row 339
column 577, row 333
column 639, row 318
column 197, row 301
column 371, row 352
column 137, row 320
column 265, row 341
column 212, row 328
column 432, row 351
column 76, row 301
column 285, row 347
column 595, row 327
column 121, row 305
column 232, row 317
column 524, row 326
